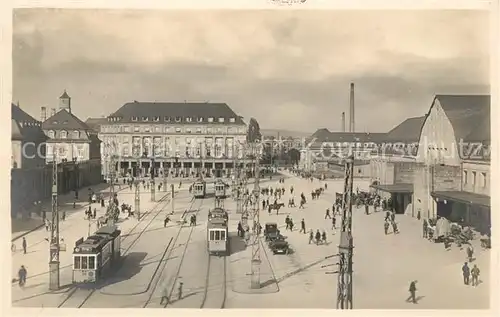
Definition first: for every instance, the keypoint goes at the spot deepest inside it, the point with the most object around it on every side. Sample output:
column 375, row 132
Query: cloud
column 285, row 68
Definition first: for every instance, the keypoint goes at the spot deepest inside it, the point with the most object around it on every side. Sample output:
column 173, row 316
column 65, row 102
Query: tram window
column 84, row 263
column 91, row 263
column 76, row 262
column 217, row 235
column 223, row 235
column 212, row 234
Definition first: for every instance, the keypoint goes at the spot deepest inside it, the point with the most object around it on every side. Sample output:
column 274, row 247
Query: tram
column 203, row 189
column 220, row 188
column 217, row 232
column 95, row 256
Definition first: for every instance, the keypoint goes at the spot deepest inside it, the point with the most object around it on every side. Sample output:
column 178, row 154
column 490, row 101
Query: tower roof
column 64, row 95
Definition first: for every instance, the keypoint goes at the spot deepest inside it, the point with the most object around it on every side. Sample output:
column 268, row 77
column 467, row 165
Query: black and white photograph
column 285, row 156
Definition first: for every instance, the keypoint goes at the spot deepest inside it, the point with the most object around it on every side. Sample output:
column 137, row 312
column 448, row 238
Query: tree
column 253, row 133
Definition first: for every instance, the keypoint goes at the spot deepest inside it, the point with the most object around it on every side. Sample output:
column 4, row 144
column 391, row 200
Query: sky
column 288, row 69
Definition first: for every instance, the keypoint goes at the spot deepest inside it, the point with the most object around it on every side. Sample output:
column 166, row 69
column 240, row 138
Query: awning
column 463, row 197
column 394, row 188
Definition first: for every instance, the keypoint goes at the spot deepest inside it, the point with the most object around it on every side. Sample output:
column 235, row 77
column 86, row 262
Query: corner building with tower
column 183, row 139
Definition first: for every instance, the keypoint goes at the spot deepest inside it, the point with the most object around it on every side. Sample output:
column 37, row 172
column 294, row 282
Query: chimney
column 343, row 121
column 18, row 105
column 52, row 111
column 43, row 115
column 351, row 110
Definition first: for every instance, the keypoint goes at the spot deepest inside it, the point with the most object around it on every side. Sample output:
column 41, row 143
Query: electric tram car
column 203, row 189
column 95, row 256
column 217, row 232
column 220, row 188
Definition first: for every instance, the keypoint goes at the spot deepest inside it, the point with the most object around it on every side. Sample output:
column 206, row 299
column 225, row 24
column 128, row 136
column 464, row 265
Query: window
column 212, row 235
column 485, row 180
column 147, row 129
column 51, row 134
column 145, row 119
column 209, row 130
column 136, row 129
column 230, row 130
column 177, row 119
column 91, row 262
column 188, row 130
column 64, row 134
column 221, row 120
column 465, row 177
column 200, row 119
column 76, row 262
column 168, row 129
column 218, row 130
column 232, row 120
column 473, row 179
column 217, row 235
column 157, row 128
column 189, row 119
column 223, row 235
column 84, row 263
column 135, row 118
column 178, row 130
column 156, row 119
column 241, row 130
column 210, row 119
column 198, row 130
column 126, row 128
column 166, row 119
column 76, row 134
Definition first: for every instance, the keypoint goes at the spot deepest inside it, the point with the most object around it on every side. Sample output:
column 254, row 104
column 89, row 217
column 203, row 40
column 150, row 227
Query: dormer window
column 166, row 119
column 221, row 120
column 189, row 119
column 145, row 118
column 65, row 122
column 188, row 130
column 51, row 134
column 232, row 120
column 156, row 119
column 210, row 119
column 76, row 134
column 200, row 119
column 55, row 122
column 177, row 119
column 135, row 118
column 64, row 134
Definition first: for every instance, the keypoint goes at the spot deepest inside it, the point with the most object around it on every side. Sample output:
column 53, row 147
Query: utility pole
column 344, row 286
column 255, row 280
column 112, row 209
column 153, row 174
column 54, row 283
column 137, row 199
column 172, row 187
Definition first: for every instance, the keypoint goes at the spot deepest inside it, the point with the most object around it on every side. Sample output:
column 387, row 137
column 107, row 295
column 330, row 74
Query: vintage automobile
column 271, row 231
column 279, row 245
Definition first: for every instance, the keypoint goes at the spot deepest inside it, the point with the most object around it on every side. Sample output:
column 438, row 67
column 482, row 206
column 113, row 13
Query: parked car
column 279, row 245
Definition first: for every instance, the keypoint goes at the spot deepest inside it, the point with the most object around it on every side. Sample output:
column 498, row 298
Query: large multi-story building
column 180, row 139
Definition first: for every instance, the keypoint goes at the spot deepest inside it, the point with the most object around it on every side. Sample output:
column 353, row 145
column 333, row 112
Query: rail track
column 77, row 297
column 214, row 295
column 194, row 202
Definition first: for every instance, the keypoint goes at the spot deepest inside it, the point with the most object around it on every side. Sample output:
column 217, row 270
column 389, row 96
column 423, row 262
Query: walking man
column 466, row 273
column 334, row 223
column 22, row 275
column 367, row 211
column 302, row 226
column 311, row 236
column 327, row 215
column 425, row 229
column 24, row 245
column 475, row 275
column 412, row 290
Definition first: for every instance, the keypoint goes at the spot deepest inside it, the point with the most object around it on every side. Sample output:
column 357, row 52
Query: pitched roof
column 407, row 131
column 324, row 135
column 63, row 120
column 25, row 127
column 64, row 95
column 468, row 114
column 169, row 111
column 95, row 123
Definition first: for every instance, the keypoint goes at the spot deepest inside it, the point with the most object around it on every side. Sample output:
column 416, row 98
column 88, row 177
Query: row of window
column 187, row 151
column 159, row 129
column 470, row 178
column 84, row 262
column 63, row 134
column 157, row 140
column 217, row 235
column 174, row 119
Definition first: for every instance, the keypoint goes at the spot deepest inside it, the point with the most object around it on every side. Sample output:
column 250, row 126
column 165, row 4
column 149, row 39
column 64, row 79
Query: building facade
column 179, row 139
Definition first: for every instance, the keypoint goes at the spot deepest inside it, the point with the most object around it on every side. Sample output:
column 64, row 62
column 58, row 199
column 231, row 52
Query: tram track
column 214, row 294
column 77, row 297
column 166, row 256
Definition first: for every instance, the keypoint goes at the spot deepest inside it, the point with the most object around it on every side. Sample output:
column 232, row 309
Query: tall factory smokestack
column 52, row 111
column 343, row 121
column 351, row 110
column 43, row 114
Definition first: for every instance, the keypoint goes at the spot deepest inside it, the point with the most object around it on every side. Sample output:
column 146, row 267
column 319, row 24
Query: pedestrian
column 302, row 226
column 412, row 290
column 74, row 204
column 21, row 274
column 291, row 224
column 63, row 216
column 47, row 224
column 287, row 222
column 94, row 215
column 386, row 227
column 470, row 253
column 180, row 291
column 165, row 221
column 311, row 236
column 24, row 245
column 327, row 215
column 164, row 296
column 323, row 236
column 367, row 210
column 395, row 228
column 425, row 229
column 318, row 237
column 466, row 273
column 475, row 275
